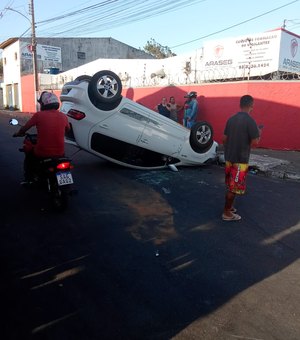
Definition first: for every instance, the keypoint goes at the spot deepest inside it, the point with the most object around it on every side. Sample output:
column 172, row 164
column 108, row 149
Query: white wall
column 140, row 72
column 11, row 73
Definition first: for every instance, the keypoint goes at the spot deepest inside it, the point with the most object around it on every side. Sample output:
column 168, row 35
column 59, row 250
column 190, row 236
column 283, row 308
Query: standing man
column 240, row 134
column 190, row 109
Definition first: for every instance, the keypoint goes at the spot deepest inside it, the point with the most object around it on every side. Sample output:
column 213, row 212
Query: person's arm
column 179, row 107
column 31, row 122
column 224, row 139
column 255, row 141
column 67, row 127
column 194, row 110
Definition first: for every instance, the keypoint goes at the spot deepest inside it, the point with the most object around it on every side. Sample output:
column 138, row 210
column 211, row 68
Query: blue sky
column 184, row 29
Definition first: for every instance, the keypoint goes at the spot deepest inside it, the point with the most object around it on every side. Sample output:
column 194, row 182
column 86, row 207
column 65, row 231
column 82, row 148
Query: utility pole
column 34, row 55
column 284, row 24
column 33, row 47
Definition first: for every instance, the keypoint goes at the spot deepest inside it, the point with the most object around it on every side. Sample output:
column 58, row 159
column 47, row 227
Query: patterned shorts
column 235, row 177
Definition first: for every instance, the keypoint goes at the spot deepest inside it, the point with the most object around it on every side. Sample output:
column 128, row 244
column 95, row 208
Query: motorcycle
column 54, row 173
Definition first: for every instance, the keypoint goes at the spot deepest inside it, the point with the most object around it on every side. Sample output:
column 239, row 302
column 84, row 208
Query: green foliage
column 157, row 50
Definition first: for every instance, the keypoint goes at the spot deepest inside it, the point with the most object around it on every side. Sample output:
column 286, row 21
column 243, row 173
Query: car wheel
column 105, row 87
column 84, row 77
column 201, row 137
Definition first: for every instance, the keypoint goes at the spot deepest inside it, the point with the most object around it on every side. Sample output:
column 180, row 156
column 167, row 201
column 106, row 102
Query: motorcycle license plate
column 64, row 178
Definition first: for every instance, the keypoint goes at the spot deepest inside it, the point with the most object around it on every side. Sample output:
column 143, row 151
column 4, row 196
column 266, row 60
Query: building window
column 4, row 61
column 81, row 55
column 16, row 56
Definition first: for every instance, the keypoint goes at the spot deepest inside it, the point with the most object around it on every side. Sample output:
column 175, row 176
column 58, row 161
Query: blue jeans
column 190, row 123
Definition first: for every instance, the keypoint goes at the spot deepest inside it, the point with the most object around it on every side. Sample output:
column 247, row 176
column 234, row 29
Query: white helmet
column 48, row 100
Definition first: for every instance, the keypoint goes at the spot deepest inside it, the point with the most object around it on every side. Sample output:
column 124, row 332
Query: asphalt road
column 145, row 255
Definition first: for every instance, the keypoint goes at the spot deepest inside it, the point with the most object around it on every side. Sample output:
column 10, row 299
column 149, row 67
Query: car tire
column 84, row 77
column 105, row 87
column 201, row 137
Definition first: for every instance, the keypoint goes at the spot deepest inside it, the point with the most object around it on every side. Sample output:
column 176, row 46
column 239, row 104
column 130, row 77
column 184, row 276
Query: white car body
column 127, row 133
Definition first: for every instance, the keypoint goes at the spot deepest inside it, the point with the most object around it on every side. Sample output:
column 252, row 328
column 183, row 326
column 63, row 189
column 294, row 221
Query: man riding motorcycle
column 51, row 125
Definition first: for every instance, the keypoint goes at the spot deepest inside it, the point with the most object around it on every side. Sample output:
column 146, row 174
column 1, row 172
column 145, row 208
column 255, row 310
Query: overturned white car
column 108, row 125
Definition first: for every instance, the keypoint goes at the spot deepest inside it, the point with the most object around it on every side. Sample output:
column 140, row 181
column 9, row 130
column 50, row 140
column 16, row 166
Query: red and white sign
column 253, row 55
column 44, row 52
column 289, row 58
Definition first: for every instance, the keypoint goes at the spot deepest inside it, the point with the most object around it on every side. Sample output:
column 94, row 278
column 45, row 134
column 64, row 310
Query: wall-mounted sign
column 289, row 58
column 256, row 54
column 44, row 52
column 253, row 55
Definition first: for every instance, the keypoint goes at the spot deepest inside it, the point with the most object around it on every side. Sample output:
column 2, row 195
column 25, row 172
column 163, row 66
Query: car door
column 120, row 133
column 163, row 135
column 125, row 124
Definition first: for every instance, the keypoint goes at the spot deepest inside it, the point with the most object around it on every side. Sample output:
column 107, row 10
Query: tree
column 157, row 50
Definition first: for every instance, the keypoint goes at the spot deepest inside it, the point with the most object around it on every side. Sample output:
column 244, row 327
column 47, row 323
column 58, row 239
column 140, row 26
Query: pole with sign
column 34, row 56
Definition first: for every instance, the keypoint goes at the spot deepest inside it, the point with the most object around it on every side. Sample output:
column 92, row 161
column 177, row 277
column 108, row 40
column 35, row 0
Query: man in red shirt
column 51, row 125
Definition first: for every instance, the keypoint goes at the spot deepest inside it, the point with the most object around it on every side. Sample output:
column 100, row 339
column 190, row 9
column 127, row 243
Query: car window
column 138, row 116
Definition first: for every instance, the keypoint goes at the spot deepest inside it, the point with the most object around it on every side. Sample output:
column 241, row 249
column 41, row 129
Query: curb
column 266, row 166
column 282, row 174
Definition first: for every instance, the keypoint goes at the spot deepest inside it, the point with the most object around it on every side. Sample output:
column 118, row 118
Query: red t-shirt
column 51, row 126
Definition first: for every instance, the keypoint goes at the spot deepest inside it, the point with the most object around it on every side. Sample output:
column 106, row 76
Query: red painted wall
column 277, row 106
column 27, row 86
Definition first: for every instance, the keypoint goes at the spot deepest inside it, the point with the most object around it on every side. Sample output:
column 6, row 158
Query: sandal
column 233, row 210
column 234, row 217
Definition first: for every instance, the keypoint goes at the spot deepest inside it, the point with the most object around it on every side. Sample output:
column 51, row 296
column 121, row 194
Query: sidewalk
column 272, row 163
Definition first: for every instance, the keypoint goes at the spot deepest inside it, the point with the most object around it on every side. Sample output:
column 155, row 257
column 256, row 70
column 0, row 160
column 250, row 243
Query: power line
column 115, row 13
column 93, row 19
column 89, row 8
column 241, row 23
column 122, row 16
